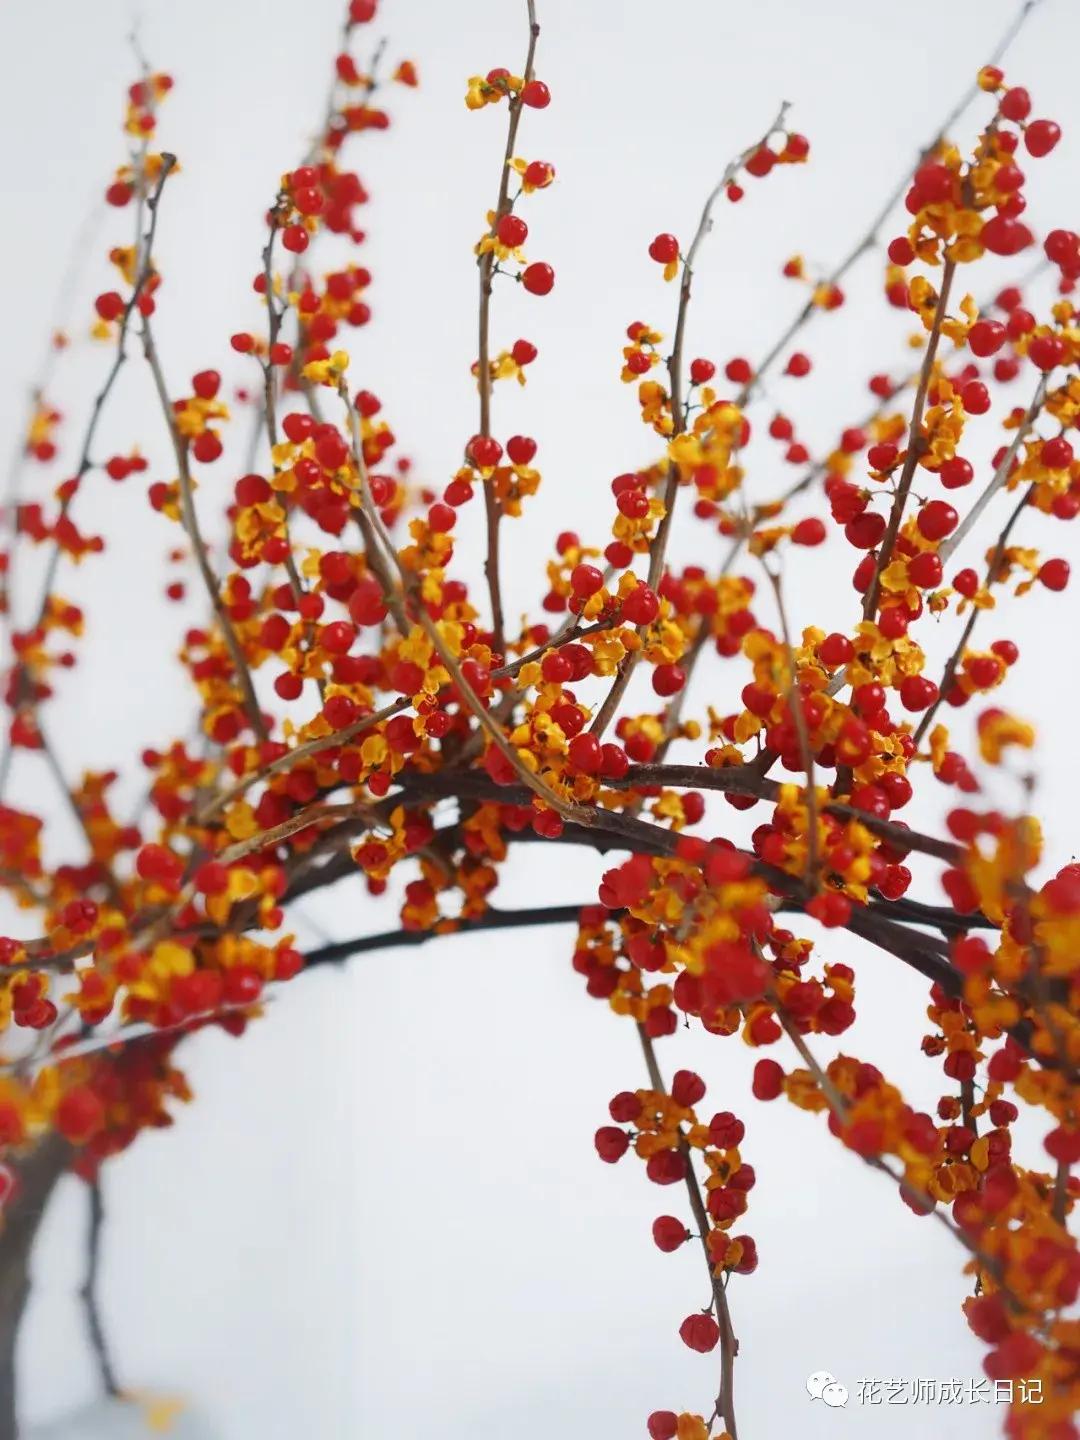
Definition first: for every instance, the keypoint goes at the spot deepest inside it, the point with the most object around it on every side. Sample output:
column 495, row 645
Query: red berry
column 109, row 306
column 641, row 606
column 836, row 650
column 933, row 182
column 79, row 1115
column 670, row 679
column 700, row 1332
column 893, row 622
column 664, row 249
column 308, row 200
column 956, row 473
column 584, row 753
column 536, row 94
column 1040, row 137
column 936, row 520
column 341, row 712
column 1003, row 235
column 252, row 490
column 687, row 1088
column 882, row 457
column 211, row 878
column 1057, row 454
column 614, row 762
column 768, row 1080
column 586, row 580
column 538, row 279
column 702, row 371
column 761, row 162
column 512, row 231
column 366, row 604
column 634, row 504
column 206, row 384
column 520, row 449
column 539, row 174
column 975, row 397
column 484, row 451
column 798, row 365
column 809, row 532
column 866, row 530
column 1015, row 104
column 206, row 447
column 337, row 637
column 986, row 337
column 668, row 1235
column 331, row 450
column 611, row 1142
column 917, row 692
column 1054, row 574
column 288, row 686
column 1046, row 351
column 925, row 570
column 901, row 251
column 1062, row 247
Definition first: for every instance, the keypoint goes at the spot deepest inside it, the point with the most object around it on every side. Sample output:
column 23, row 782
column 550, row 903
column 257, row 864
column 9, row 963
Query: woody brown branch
column 916, row 446
column 492, row 507
column 198, row 545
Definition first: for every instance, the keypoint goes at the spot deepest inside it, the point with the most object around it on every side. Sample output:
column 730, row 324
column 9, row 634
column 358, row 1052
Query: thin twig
column 366, row 722
column 659, row 544
column 144, row 271
column 729, row 1345
column 954, row 660
column 1000, row 476
column 567, row 809
column 916, row 445
column 838, row 1105
column 492, row 508
column 198, row 544
column 871, row 237
column 89, row 1292
column 798, row 719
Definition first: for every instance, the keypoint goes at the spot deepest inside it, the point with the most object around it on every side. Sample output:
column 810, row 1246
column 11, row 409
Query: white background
column 384, row 1214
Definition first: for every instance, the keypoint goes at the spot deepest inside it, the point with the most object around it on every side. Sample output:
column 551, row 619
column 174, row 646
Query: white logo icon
column 823, row 1386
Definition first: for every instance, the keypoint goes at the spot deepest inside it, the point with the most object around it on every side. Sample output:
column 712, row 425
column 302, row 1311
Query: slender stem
column 794, row 703
column 838, row 1105
column 39, row 1173
column 658, row 547
column 565, row 808
column 954, row 660
column 916, row 446
column 144, row 246
column 492, row 508
column 528, row 918
column 729, row 1345
column 871, row 235
column 1000, row 476
column 198, row 545
column 89, row 1292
